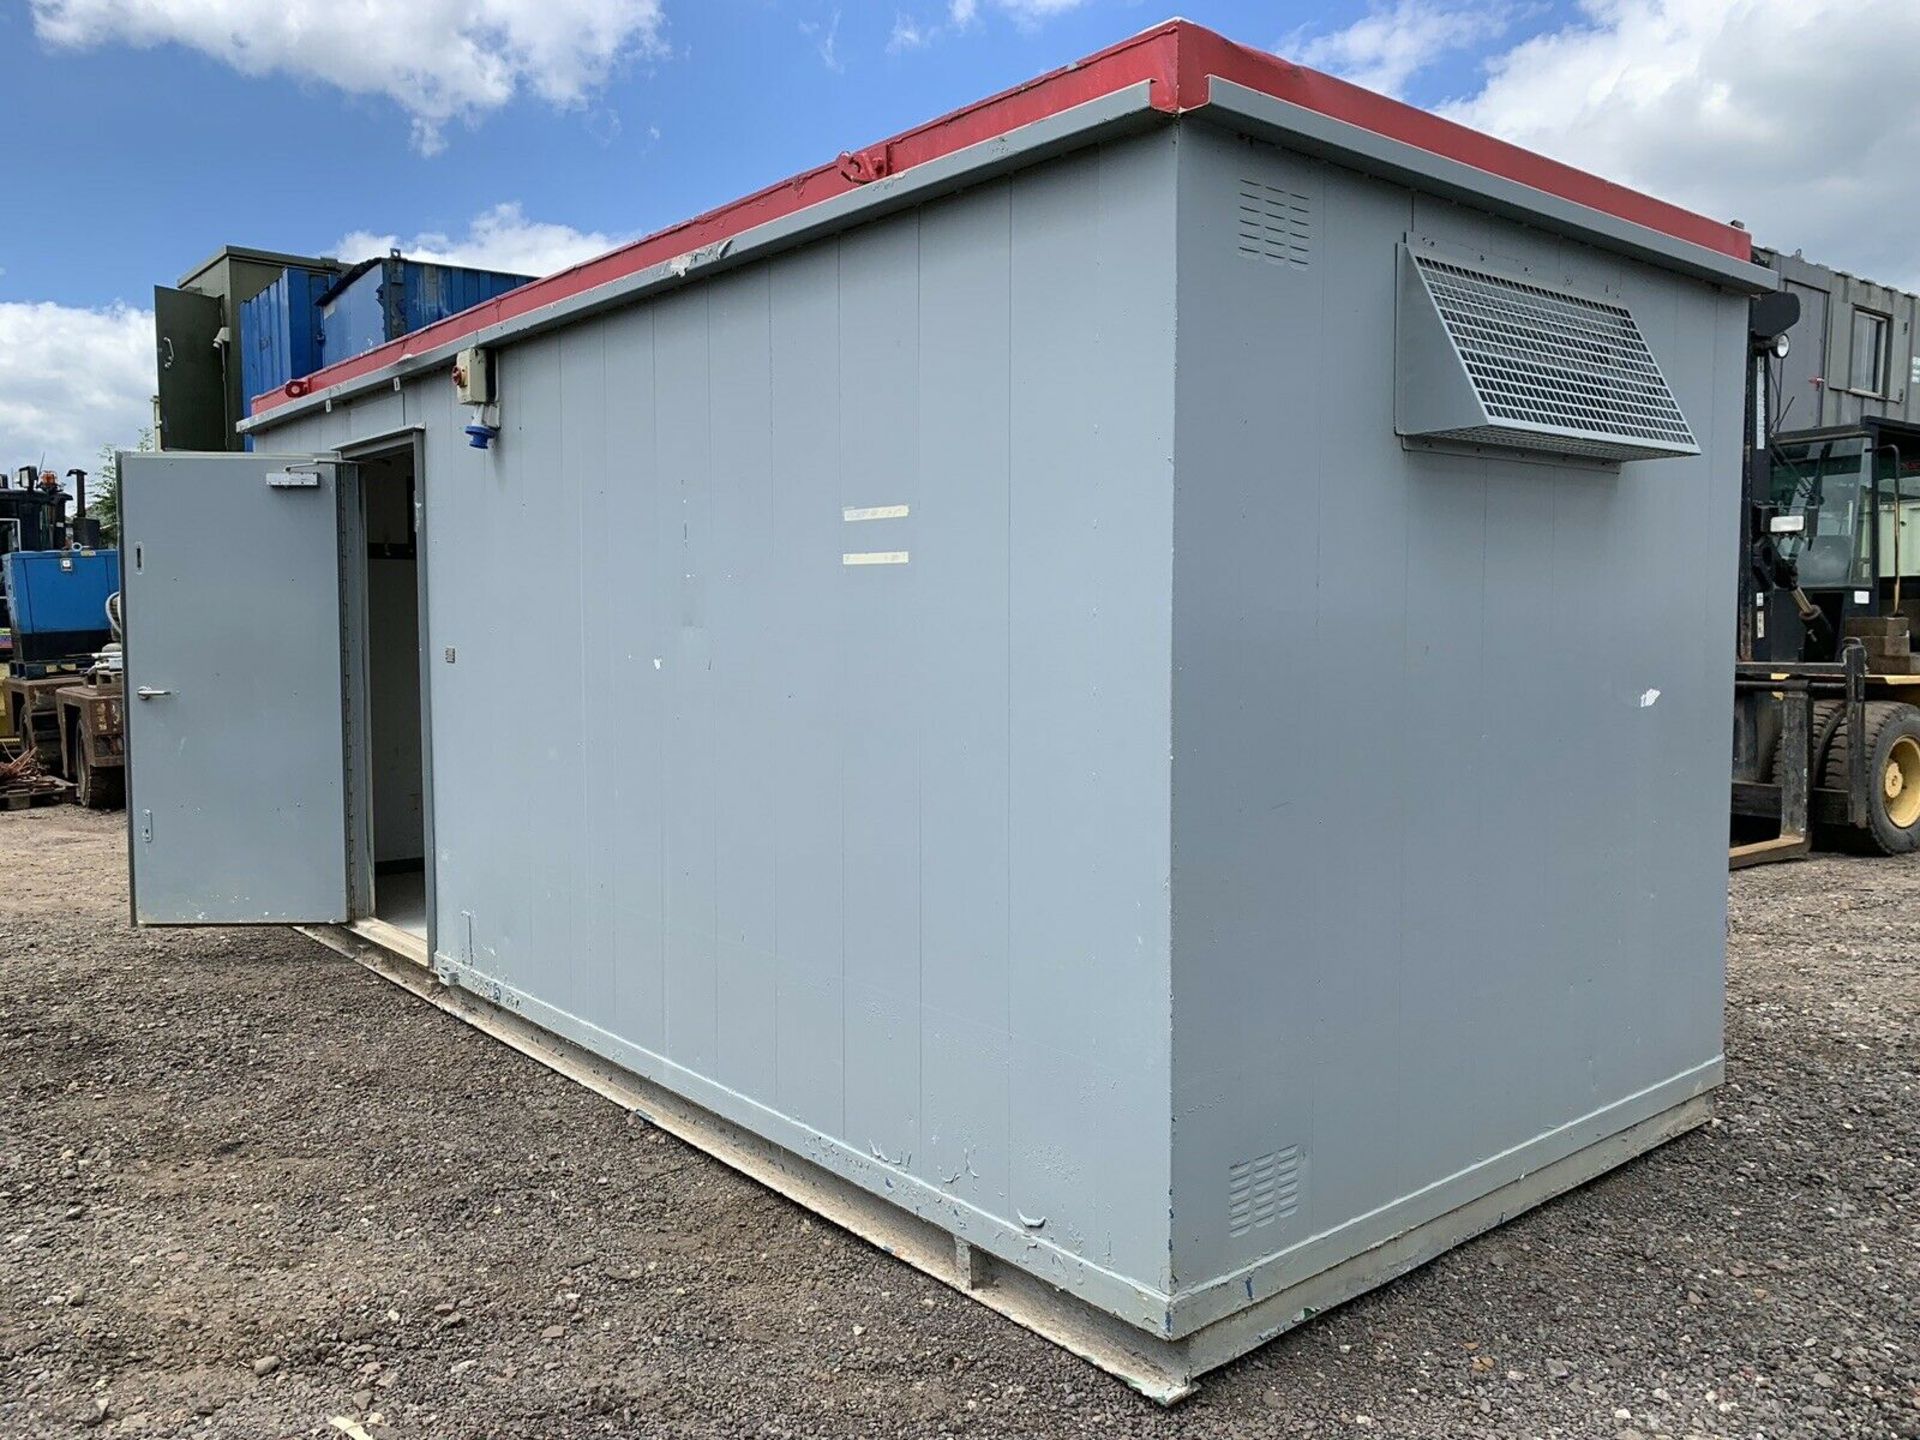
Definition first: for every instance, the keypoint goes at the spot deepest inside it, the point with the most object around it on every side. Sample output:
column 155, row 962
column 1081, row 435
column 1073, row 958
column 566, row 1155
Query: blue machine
column 381, row 300
column 59, row 602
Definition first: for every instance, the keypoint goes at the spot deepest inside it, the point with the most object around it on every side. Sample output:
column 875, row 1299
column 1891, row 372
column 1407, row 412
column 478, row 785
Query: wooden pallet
column 41, row 792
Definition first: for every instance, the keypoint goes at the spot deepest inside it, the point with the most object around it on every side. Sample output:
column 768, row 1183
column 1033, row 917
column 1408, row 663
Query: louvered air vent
column 1263, row 1190
column 1274, row 224
column 1490, row 360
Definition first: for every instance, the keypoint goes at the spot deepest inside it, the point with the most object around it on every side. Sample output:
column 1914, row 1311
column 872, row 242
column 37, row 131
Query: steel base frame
column 1166, row 1371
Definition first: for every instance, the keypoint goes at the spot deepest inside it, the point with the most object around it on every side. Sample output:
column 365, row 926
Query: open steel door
column 192, row 370
column 236, row 780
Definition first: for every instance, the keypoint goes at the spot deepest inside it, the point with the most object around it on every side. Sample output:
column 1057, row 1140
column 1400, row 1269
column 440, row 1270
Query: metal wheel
column 1900, row 782
column 1892, row 743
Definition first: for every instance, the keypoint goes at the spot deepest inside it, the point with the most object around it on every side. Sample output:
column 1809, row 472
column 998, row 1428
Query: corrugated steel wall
column 279, row 331
column 396, row 297
column 431, row 293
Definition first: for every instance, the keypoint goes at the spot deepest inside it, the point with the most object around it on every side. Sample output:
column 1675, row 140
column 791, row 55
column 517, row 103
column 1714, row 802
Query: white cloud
column 1390, row 44
column 71, row 381
column 501, row 238
column 826, row 41
column 963, row 13
column 908, row 34
column 1796, row 116
column 439, row 60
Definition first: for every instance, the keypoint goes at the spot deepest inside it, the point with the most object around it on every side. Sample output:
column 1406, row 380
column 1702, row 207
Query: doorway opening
column 395, row 772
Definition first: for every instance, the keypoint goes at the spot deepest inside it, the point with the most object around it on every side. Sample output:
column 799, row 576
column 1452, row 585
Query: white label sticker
column 875, row 557
column 1649, row 699
column 1916, row 370
column 852, row 513
column 1863, row 597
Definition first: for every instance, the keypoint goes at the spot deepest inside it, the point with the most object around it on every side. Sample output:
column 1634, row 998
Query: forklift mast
column 1769, row 570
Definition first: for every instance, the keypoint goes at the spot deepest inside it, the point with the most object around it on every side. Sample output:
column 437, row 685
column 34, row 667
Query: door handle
column 147, row 692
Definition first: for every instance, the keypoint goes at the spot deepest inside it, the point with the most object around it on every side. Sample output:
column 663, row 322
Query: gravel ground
column 246, row 1187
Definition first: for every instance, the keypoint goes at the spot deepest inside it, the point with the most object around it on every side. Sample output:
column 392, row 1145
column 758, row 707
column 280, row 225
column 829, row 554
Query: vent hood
column 1491, row 359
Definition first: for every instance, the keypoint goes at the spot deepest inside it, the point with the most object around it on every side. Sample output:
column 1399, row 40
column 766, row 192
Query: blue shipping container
column 280, row 331
column 381, row 300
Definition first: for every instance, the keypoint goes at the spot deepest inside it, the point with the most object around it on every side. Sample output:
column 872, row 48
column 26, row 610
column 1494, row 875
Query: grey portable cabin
column 1129, row 690
column 1854, row 354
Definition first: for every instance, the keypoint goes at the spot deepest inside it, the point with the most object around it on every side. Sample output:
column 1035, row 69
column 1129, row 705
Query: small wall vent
column 1263, row 1190
column 1274, row 224
column 1487, row 359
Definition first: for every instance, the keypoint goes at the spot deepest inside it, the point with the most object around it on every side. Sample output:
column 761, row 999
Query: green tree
column 104, row 505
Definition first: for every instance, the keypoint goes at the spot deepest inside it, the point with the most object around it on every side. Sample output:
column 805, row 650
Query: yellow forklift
column 1827, row 731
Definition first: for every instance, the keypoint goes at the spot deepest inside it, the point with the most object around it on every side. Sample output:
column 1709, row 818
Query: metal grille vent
column 1274, row 224
column 1544, row 369
column 1263, row 1190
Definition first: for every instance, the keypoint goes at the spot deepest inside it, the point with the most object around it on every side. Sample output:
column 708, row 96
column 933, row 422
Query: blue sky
column 161, row 154
column 139, row 135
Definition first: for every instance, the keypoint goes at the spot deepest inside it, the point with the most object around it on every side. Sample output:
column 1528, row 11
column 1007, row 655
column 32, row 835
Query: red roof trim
column 1176, row 59
column 1203, row 53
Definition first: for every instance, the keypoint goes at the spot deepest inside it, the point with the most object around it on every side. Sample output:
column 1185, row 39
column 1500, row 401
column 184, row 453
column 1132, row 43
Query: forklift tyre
column 1829, row 717
column 96, row 789
column 1893, row 779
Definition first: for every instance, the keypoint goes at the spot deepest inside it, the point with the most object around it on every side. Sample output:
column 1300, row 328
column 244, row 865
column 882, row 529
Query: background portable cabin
column 1854, row 355
column 1024, row 734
